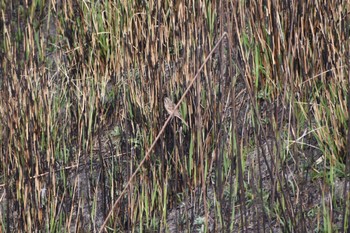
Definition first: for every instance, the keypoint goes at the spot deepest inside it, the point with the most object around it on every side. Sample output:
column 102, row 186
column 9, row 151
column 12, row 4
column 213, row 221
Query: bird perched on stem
column 170, row 108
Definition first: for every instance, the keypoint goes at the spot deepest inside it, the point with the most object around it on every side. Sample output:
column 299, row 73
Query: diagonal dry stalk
column 161, row 131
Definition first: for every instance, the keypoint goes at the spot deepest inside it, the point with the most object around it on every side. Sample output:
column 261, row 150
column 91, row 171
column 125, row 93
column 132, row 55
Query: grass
column 81, row 106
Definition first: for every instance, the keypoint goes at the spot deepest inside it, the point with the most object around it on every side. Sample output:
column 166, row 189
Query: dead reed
column 82, row 90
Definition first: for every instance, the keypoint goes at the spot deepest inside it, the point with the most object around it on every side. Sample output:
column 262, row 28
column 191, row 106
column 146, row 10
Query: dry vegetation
column 81, row 110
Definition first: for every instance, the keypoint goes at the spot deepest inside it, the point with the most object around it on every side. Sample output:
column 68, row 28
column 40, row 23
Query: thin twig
column 160, row 133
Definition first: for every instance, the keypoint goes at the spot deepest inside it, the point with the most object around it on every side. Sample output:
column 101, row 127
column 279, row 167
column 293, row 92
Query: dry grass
column 82, row 90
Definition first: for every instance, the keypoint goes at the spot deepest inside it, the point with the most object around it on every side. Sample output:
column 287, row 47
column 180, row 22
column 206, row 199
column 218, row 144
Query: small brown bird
column 170, row 107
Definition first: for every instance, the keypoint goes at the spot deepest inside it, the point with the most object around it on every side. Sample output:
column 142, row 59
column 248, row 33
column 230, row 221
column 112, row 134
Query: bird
column 170, row 108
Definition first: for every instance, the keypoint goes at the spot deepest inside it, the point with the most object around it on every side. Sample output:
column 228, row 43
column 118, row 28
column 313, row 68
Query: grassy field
column 88, row 146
